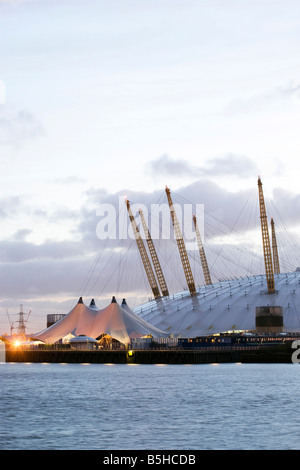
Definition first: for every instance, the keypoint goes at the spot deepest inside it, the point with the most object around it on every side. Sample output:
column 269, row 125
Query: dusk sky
column 115, row 98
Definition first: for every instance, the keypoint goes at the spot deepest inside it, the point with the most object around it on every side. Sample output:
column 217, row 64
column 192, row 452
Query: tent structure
column 225, row 306
column 216, row 308
column 82, row 342
column 77, row 322
column 120, row 323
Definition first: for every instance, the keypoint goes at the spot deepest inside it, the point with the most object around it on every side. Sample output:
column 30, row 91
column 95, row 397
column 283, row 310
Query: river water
column 168, row 407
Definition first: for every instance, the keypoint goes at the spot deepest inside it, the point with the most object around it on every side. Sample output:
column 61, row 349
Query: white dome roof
column 224, row 306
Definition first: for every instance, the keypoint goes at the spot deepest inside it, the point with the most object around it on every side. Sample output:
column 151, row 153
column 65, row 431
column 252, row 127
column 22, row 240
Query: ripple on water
column 97, row 406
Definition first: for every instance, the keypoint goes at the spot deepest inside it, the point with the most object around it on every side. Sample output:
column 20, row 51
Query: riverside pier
column 273, row 353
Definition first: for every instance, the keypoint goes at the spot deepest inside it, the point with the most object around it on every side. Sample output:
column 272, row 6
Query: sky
column 104, row 100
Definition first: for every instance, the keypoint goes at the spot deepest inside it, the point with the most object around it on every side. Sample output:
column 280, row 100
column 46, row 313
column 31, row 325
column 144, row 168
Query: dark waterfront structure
column 239, row 348
column 250, row 355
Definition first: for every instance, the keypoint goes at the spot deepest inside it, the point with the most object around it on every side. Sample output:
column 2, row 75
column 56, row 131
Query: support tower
column 154, row 257
column 266, row 241
column 205, row 268
column 181, row 246
column 275, row 249
column 143, row 253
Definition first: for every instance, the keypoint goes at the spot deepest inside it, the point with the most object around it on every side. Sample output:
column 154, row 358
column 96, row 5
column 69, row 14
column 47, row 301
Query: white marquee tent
column 120, row 323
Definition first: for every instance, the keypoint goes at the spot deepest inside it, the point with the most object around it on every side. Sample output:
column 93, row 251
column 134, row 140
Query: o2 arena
column 261, row 303
column 266, row 303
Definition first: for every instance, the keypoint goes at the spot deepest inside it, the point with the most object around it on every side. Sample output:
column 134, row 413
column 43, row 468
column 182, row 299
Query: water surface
column 142, row 407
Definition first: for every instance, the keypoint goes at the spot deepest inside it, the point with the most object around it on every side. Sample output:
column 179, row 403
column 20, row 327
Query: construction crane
column 11, row 324
column 181, row 246
column 205, row 268
column 266, row 241
column 154, row 257
column 145, row 259
column 275, row 249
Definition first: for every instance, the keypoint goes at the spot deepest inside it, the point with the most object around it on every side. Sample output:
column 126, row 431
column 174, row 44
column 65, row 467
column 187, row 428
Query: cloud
column 18, row 126
column 21, row 234
column 69, row 180
column 16, row 2
column 292, row 90
column 18, row 250
column 170, row 166
column 9, row 206
column 286, row 206
column 230, row 165
column 264, row 101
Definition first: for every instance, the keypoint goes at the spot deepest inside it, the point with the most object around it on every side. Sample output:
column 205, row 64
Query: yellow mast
column 205, row 268
column 266, row 240
column 275, row 249
column 181, row 246
column 143, row 253
column 154, row 257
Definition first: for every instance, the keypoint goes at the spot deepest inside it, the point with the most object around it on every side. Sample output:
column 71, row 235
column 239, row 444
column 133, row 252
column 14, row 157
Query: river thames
column 174, row 407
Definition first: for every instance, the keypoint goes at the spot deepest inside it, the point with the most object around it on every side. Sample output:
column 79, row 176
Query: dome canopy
column 225, row 306
column 216, row 308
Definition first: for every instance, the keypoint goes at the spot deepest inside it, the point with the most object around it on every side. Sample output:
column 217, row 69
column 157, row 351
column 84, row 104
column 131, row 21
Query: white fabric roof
column 77, row 322
column 123, row 324
column 119, row 323
column 224, row 306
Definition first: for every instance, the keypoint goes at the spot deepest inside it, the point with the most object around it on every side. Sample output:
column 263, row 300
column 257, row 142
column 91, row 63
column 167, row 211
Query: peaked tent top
column 78, row 321
column 119, row 322
column 122, row 324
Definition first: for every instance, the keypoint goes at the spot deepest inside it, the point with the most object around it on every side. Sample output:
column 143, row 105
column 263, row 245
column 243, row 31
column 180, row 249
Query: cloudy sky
column 105, row 99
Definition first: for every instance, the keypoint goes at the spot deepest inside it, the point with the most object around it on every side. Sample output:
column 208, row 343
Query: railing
column 163, row 347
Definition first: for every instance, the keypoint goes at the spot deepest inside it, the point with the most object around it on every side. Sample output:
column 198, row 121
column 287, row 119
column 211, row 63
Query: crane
column 143, row 253
column 11, row 324
column 275, row 249
column 155, row 260
column 181, row 246
column 205, row 267
column 266, row 241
